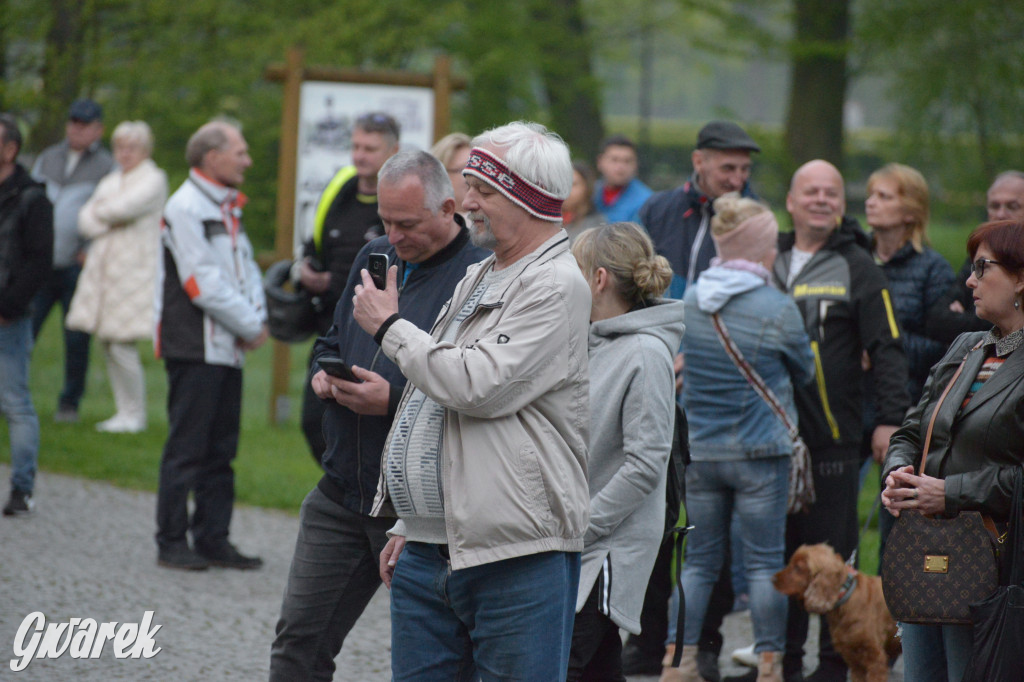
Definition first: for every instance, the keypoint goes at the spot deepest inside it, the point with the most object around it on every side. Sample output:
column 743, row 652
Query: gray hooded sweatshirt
column 632, row 413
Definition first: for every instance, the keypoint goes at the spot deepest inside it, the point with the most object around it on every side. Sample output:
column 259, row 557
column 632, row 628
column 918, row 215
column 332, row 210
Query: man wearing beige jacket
column 485, row 464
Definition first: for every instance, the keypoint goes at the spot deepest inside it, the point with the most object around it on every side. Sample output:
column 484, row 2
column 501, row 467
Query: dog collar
column 847, row 588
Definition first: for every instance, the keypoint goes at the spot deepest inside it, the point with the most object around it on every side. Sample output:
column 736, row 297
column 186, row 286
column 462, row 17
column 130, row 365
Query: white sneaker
column 745, row 657
column 121, row 424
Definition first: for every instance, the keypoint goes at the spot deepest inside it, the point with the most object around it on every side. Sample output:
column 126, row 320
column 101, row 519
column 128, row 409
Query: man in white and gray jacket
column 485, row 463
column 210, row 310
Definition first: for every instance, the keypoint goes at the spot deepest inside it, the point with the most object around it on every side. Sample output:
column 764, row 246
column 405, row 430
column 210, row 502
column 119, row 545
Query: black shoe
column 707, row 666
column 749, row 676
column 66, row 414
column 636, row 662
column 228, row 556
column 181, row 558
column 19, row 503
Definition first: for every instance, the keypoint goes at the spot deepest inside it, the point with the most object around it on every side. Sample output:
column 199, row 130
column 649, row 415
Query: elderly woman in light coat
column 115, row 293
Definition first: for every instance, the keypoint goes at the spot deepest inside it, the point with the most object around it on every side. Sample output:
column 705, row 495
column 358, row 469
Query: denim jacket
column 727, row 419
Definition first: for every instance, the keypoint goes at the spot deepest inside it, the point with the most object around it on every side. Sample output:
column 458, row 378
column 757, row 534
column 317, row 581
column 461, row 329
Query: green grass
column 273, row 468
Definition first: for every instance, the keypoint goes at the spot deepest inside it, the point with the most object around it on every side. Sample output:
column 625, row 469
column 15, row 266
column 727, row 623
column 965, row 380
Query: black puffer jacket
column 975, row 449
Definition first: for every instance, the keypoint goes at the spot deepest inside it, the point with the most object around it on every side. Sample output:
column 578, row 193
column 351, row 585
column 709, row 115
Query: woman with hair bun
column 739, row 449
column 633, row 336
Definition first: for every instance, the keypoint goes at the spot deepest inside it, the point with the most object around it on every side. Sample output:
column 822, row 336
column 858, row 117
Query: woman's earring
column 1016, row 304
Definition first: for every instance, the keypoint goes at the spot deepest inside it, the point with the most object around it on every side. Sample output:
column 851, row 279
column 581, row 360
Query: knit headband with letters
column 533, row 199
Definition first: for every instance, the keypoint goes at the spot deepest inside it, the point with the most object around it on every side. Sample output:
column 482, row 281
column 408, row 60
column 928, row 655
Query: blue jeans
column 59, row 288
column 16, row 402
column 935, row 652
column 506, row 620
column 756, row 490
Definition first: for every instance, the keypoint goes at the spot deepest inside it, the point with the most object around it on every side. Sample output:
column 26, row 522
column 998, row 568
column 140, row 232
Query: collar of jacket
column 554, row 246
column 222, row 195
column 18, row 180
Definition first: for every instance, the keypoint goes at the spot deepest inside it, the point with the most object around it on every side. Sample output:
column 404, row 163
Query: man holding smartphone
column 486, row 464
column 334, row 571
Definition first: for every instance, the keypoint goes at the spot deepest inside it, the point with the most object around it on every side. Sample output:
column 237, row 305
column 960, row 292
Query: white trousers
column 124, row 368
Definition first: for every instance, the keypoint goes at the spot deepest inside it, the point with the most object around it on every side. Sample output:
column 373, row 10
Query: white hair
column 534, row 152
column 137, row 132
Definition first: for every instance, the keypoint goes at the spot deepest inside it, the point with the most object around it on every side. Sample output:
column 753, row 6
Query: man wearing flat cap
column 71, row 169
column 679, row 219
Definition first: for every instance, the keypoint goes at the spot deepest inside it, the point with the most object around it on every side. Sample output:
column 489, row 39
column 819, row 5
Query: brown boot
column 687, row 670
column 769, row 666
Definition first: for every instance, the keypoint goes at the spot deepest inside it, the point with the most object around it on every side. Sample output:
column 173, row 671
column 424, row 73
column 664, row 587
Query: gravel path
column 88, row 552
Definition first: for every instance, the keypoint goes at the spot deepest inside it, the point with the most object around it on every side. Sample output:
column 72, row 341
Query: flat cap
column 86, row 111
column 725, row 135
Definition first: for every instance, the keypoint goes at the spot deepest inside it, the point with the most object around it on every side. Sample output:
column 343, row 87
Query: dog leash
column 874, row 509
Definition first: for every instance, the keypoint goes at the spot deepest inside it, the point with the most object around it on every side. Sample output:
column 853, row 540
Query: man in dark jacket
column 679, row 220
column 334, row 571
column 953, row 314
column 26, row 256
column 346, row 219
column 825, row 265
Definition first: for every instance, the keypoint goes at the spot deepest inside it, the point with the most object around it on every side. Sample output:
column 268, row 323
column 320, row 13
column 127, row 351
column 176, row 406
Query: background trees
column 654, row 68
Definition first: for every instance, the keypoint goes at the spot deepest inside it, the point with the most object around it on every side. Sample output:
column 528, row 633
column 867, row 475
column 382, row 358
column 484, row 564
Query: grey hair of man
column 210, row 136
column 1006, row 175
column 534, row 152
column 437, row 186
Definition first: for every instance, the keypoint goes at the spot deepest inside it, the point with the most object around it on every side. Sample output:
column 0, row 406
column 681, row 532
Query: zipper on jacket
column 705, row 218
column 819, row 372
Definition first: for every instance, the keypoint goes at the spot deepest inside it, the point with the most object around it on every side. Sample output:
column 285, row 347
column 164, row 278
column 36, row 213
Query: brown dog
column 862, row 628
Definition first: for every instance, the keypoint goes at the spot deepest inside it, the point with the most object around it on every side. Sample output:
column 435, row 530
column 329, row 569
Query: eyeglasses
column 978, row 266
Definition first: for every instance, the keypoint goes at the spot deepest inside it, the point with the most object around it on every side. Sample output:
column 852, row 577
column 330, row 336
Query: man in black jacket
column 953, row 314
column 26, row 257
column 334, row 571
column 827, row 268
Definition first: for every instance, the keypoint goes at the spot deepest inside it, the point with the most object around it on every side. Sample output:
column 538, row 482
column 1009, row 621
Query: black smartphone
column 336, row 367
column 378, row 268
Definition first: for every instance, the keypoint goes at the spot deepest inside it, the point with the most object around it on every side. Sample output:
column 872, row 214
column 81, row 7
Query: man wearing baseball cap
column 71, row 169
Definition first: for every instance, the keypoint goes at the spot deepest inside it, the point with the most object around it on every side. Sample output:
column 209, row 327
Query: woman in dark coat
column 978, row 437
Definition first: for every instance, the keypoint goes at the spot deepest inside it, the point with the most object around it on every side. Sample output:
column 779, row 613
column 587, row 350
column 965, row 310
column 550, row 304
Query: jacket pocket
column 532, row 480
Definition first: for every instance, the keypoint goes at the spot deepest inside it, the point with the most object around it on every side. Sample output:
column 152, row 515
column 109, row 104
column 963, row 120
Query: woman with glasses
column 977, row 434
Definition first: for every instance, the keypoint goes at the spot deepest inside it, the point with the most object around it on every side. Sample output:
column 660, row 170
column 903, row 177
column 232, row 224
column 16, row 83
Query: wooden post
column 442, row 95
column 286, row 175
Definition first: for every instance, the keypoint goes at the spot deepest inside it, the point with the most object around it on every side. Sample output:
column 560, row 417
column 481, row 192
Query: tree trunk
column 817, row 91
column 573, row 92
column 62, row 69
